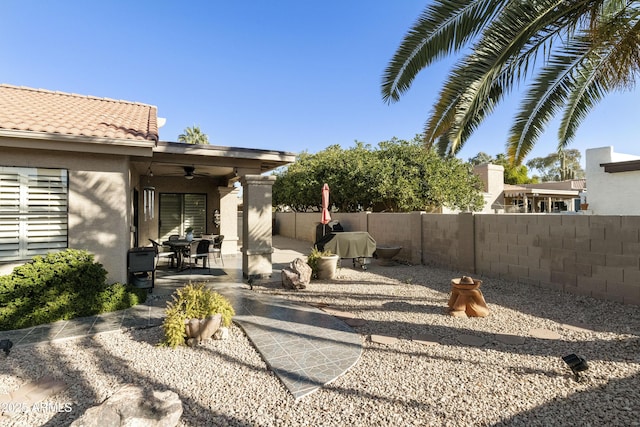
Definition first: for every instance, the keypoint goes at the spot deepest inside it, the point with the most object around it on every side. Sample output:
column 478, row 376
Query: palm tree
column 587, row 49
column 193, row 135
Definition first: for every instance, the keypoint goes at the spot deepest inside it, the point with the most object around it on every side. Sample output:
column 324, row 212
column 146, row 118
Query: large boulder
column 297, row 275
column 133, row 406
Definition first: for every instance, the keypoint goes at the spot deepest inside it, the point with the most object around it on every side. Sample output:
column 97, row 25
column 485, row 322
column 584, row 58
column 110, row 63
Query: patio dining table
column 180, row 247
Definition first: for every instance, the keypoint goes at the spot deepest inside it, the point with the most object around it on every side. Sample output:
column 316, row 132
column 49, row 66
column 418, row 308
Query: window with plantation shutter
column 33, row 212
column 180, row 211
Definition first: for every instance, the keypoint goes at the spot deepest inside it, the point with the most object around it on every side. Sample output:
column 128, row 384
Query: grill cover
column 349, row 244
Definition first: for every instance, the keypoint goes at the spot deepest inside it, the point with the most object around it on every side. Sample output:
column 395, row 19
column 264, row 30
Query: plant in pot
column 189, row 233
column 195, row 314
column 323, row 264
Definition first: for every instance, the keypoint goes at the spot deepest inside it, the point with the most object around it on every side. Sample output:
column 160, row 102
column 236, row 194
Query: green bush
column 60, row 286
column 193, row 301
column 312, row 260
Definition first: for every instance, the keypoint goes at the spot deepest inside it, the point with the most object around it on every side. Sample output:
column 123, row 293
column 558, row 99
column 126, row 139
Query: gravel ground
column 407, row 383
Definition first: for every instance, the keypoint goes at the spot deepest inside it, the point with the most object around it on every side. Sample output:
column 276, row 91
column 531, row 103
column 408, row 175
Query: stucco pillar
column 256, row 225
column 229, row 219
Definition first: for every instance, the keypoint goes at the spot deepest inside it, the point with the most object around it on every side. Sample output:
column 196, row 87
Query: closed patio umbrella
column 326, row 217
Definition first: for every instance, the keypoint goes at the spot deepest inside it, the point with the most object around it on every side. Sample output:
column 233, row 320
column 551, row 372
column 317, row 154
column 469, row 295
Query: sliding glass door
column 179, row 211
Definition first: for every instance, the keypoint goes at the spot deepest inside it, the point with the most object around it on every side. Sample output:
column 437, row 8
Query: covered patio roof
column 226, row 164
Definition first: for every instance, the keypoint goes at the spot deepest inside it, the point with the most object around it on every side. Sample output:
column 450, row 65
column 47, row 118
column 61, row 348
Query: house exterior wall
column 492, row 177
column 625, row 200
column 99, row 202
column 591, row 255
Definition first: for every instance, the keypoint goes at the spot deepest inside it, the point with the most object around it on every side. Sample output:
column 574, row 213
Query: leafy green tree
column 193, row 135
column 481, row 158
column 396, row 175
column 587, row 49
column 559, row 166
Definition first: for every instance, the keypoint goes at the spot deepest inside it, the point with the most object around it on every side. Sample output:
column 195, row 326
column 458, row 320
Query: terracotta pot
column 584, row 206
column 327, row 266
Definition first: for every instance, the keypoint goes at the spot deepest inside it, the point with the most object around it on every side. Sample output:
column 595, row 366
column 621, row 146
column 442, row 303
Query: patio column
column 256, row 225
column 229, row 219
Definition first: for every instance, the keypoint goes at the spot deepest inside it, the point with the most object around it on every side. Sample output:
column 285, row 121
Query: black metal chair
column 201, row 252
column 216, row 248
column 170, row 256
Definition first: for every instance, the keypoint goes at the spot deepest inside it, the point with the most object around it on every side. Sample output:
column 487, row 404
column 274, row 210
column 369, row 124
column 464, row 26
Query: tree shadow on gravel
column 593, row 349
column 50, row 362
column 589, row 345
column 560, row 307
column 111, row 365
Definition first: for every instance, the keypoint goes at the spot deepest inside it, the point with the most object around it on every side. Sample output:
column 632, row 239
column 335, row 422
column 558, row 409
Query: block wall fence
column 592, row 255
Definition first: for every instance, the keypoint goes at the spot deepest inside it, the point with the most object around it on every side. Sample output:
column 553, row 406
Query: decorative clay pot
column 198, row 330
column 327, row 266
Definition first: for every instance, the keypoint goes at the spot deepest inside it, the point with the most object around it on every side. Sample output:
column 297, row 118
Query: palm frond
column 545, row 97
column 508, row 38
column 442, row 29
column 574, row 80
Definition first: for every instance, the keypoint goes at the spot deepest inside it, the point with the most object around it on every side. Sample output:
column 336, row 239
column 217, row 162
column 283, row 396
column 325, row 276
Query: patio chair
column 201, row 252
column 169, row 256
column 216, row 248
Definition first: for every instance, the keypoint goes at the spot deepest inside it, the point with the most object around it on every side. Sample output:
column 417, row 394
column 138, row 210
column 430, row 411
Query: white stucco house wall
column 614, row 180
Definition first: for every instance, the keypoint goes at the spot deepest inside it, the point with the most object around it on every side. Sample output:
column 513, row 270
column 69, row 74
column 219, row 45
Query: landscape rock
column 297, row 275
column 134, row 406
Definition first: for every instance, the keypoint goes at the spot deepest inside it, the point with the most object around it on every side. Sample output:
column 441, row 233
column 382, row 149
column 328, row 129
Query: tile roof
column 39, row 110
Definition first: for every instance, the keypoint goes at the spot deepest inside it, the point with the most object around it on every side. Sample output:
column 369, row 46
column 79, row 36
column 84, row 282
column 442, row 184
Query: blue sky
column 281, row 74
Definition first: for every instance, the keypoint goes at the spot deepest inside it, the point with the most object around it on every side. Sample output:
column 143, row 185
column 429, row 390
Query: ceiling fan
column 189, row 172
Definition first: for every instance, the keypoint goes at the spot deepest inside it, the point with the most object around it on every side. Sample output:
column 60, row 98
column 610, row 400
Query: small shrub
column 60, row 286
column 193, row 301
column 312, row 260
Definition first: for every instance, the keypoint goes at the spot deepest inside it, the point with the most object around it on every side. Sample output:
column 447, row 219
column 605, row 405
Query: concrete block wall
column 597, row 256
column 441, row 240
column 351, row 221
column 395, row 229
column 593, row 255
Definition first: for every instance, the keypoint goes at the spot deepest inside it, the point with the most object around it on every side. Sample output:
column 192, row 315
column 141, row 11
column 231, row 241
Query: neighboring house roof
column 625, row 166
column 538, row 190
column 39, row 110
column 570, row 184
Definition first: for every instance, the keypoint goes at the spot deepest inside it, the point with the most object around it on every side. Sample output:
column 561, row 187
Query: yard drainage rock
column 134, row 406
